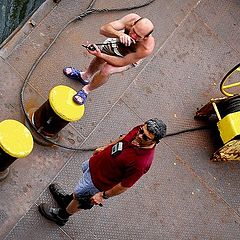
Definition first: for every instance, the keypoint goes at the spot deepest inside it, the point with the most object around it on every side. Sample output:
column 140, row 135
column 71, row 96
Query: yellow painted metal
column 229, row 126
column 61, row 101
column 15, row 139
column 224, row 87
column 216, row 110
column 227, row 87
column 231, row 85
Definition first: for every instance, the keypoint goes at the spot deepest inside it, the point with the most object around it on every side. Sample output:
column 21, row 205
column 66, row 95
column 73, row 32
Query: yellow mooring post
column 56, row 113
column 16, row 142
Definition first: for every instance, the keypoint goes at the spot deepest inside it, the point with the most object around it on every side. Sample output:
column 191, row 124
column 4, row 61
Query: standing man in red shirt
column 112, row 170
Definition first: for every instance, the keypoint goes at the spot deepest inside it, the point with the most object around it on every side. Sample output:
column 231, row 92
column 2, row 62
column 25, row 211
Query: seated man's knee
column 107, row 70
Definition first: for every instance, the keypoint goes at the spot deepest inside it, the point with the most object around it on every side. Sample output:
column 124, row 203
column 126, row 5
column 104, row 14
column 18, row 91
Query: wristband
column 105, row 196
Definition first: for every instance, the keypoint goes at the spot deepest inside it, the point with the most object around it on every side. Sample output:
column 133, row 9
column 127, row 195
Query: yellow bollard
column 16, row 142
column 56, row 113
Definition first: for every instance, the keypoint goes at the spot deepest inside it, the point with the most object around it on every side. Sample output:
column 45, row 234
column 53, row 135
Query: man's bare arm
column 116, row 190
column 122, row 61
column 114, row 29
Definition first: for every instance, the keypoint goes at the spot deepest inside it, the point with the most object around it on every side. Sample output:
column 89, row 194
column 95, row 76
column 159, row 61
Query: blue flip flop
column 80, row 98
column 75, row 74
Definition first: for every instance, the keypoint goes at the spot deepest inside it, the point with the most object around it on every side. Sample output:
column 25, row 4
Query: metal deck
column 184, row 195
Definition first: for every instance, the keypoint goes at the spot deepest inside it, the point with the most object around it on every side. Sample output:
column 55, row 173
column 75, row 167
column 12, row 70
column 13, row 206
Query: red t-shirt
column 125, row 168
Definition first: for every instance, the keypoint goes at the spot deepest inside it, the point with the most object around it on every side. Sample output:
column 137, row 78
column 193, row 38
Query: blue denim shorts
column 85, row 185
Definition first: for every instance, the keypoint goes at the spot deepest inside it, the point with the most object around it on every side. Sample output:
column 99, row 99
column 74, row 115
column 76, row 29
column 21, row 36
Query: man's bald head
column 145, row 26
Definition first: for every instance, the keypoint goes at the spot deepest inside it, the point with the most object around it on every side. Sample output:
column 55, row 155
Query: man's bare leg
column 98, row 80
column 102, row 77
column 94, row 66
column 73, row 207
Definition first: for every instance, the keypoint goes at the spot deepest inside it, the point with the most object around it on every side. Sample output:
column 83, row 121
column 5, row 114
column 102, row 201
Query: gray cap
column 157, row 127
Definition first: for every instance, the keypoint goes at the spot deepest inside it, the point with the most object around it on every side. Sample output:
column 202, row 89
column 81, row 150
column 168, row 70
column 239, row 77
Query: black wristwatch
column 105, row 196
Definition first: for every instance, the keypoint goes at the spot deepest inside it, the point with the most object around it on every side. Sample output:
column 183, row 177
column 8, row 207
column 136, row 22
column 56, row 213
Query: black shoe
column 60, row 196
column 52, row 214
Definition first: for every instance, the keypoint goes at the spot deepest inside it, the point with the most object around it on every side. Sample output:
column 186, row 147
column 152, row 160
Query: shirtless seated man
column 129, row 40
